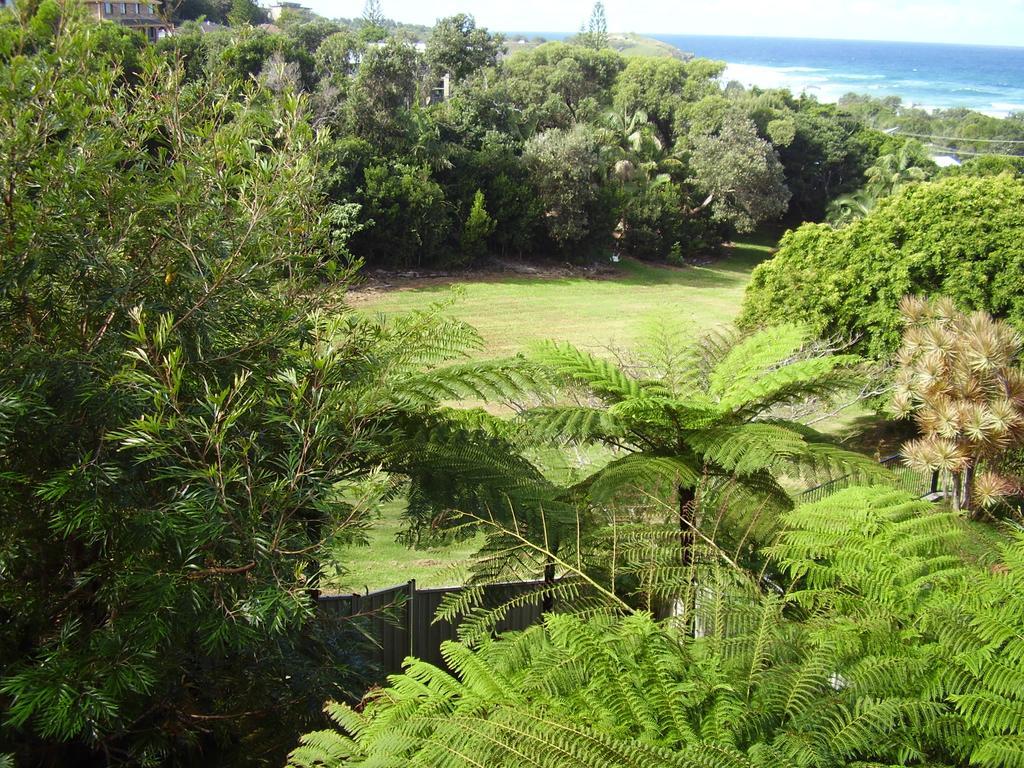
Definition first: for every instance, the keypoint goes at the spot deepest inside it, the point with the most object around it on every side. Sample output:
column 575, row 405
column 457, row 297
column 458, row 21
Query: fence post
column 410, row 617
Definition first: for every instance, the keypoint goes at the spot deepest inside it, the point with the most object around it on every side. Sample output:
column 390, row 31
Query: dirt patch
column 376, row 281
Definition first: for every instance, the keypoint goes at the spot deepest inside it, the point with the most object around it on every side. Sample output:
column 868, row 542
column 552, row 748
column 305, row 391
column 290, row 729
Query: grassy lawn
column 386, row 562
column 594, row 313
column 597, row 313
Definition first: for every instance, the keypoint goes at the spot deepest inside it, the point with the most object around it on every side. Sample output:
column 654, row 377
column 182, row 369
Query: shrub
column 959, row 237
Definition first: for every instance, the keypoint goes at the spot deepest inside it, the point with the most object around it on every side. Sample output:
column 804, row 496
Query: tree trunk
column 548, row 603
column 967, row 500
column 687, row 498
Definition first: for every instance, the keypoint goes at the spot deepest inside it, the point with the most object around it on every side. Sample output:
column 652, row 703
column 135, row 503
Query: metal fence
column 399, row 621
column 919, row 483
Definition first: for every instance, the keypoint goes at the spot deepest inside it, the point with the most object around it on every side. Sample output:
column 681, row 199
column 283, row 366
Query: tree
column 244, row 12
column 956, row 237
column 665, row 89
column 596, row 32
column 741, row 174
column 373, row 13
column 566, row 169
column 960, row 379
column 895, row 169
column 827, row 156
column 560, row 85
column 373, row 28
column 478, row 228
column 147, row 576
column 888, row 173
column 409, row 220
column 458, row 47
column 383, row 93
column 697, row 417
column 189, row 417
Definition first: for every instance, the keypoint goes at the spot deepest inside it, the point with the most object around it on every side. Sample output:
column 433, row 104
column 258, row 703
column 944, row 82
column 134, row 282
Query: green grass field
column 595, row 313
column 598, row 313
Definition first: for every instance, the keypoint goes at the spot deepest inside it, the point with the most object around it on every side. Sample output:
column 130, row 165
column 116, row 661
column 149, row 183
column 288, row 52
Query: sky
column 980, row 22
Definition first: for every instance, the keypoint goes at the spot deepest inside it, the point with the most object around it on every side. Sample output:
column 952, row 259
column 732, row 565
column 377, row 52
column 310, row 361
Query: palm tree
column 889, row 173
column 847, row 209
column 694, row 417
column 892, row 171
column 636, row 146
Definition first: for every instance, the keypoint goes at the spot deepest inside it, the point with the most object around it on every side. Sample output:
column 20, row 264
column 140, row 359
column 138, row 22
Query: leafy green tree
column 656, row 224
column 960, row 379
column 148, row 578
column 958, row 237
column 383, row 93
column 827, row 156
column 458, row 47
column 741, row 175
column 567, row 170
column 478, row 228
column 238, row 56
column 595, row 32
column 336, row 57
column 987, row 165
column 560, row 85
column 408, row 222
column 215, row 11
column 244, row 12
column 310, row 35
column 188, row 414
column 663, row 88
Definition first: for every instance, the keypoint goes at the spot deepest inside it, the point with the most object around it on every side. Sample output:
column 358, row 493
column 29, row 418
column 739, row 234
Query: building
column 140, row 16
column 274, row 10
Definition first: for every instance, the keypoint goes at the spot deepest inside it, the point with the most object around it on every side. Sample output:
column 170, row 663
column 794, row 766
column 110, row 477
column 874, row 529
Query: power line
column 952, row 151
column 963, row 138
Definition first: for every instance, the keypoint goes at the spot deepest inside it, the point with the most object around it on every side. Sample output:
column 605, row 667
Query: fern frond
column 754, row 355
column 492, row 381
column 600, row 376
column 572, row 424
column 659, row 475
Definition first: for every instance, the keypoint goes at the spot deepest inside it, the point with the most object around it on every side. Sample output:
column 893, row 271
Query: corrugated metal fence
column 920, row 483
column 399, row 621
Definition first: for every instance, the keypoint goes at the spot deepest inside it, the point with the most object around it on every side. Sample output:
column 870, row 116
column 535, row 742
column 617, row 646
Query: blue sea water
column 988, row 79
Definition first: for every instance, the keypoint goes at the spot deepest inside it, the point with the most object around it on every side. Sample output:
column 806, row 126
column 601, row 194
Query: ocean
column 987, row 79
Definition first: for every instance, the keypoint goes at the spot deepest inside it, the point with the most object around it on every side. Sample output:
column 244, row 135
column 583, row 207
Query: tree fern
column 868, row 662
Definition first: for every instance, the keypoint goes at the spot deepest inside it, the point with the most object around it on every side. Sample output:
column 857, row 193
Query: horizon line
column 659, row 35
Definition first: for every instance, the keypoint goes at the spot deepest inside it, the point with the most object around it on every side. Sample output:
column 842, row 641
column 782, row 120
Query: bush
column 160, row 374
column 656, row 226
column 959, row 237
column 478, row 227
column 409, row 216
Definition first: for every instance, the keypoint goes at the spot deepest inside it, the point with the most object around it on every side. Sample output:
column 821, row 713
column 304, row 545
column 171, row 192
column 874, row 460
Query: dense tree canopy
column 459, row 48
column 959, row 237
